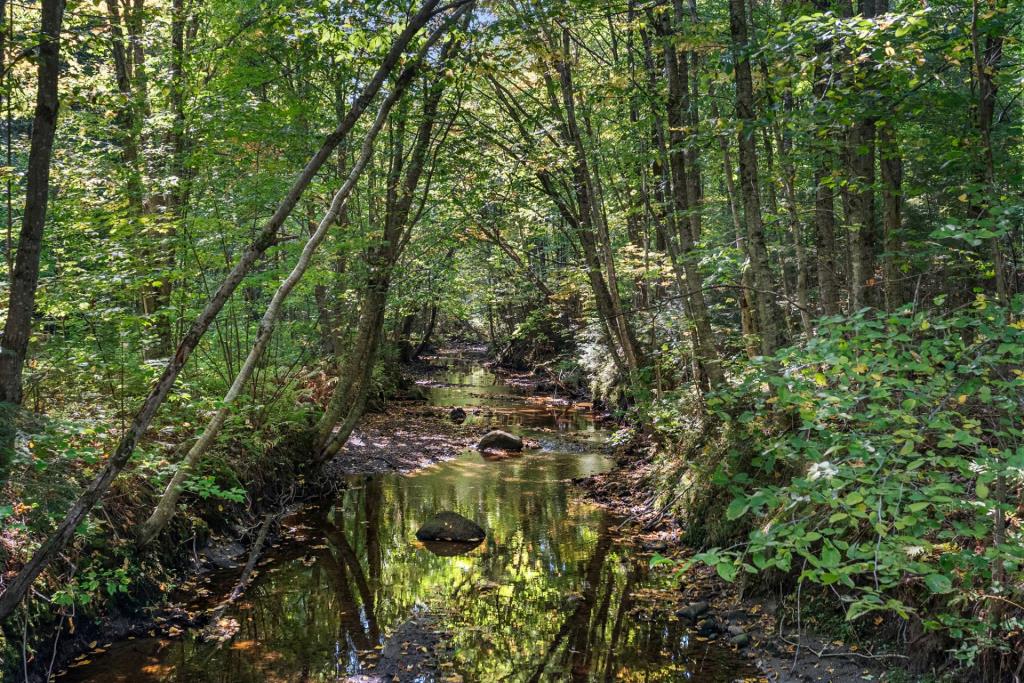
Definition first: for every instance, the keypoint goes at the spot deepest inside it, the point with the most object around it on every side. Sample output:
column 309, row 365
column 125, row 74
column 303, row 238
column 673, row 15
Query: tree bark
column 757, row 250
column 22, row 298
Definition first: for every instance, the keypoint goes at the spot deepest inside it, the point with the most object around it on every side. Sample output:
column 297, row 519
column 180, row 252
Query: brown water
column 549, row 596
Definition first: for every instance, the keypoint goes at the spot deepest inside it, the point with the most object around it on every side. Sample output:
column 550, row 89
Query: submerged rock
column 740, row 640
column 499, row 440
column 225, row 555
column 693, row 610
column 709, row 627
column 451, row 527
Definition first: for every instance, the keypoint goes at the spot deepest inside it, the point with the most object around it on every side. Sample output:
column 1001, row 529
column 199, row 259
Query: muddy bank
column 400, row 439
column 762, row 627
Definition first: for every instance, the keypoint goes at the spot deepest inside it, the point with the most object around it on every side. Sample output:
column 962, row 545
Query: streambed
column 348, row 594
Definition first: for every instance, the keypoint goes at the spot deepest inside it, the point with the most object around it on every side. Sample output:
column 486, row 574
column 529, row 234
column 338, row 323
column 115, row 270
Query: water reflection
column 489, row 401
column 548, row 596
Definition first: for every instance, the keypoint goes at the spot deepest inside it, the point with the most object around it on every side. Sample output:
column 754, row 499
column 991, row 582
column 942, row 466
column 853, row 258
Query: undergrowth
column 878, row 465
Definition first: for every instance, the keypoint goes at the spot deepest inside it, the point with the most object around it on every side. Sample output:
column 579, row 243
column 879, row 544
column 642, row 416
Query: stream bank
column 345, row 593
column 783, row 652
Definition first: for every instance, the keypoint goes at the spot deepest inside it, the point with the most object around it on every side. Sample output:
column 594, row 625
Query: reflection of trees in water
column 547, row 599
column 575, row 629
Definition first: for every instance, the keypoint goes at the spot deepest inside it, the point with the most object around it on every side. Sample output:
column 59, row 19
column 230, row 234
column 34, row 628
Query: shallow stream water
column 349, row 594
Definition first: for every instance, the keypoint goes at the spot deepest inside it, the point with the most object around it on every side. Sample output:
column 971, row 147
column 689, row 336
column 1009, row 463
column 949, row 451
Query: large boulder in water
column 501, row 441
column 450, row 527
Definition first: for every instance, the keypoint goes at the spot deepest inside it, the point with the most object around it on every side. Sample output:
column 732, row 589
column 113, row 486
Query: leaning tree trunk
column 348, row 401
column 427, row 334
column 609, row 303
column 22, row 302
column 165, row 508
column 65, row 531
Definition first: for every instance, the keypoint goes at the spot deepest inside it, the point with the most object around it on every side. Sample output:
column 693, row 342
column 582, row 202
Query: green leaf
column 659, row 559
column 726, row 569
column 938, row 583
column 830, row 556
column 737, row 509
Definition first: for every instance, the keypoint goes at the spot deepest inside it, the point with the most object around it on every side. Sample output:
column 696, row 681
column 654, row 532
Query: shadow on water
column 548, row 596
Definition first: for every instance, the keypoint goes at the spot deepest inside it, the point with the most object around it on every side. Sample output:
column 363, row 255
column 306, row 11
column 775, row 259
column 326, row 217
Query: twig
column 243, row 580
column 822, row 653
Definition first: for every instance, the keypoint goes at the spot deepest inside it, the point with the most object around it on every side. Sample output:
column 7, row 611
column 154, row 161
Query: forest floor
column 404, row 438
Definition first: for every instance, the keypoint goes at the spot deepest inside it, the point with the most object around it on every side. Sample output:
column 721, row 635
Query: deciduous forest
column 520, row 340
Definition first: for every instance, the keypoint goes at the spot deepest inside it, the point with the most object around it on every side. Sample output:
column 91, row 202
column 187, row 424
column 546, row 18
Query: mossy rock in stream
column 450, row 527
column 499, row 440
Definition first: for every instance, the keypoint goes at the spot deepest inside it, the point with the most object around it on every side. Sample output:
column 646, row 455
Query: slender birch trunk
column 165, row 508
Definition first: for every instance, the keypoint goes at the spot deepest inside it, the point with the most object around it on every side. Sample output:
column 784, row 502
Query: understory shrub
column 899, row 440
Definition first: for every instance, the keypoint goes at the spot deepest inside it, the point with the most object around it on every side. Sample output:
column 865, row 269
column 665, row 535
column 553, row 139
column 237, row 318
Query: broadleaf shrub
column 902, row 435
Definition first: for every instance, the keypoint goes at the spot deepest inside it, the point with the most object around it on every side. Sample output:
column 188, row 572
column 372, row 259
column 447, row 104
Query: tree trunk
column 22, row 301
column 861, row 143
column 686, row 197
column 757, row 250
column 986, row 64
column 165, row 508
column 892, row 212
column 787, row 168
column 863, row 227
column 824, row 196
column 127, row 117
column 19, row 586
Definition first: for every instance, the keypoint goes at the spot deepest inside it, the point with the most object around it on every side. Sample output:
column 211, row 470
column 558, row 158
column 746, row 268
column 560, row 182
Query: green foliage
column 903, row 432
column 207, row 487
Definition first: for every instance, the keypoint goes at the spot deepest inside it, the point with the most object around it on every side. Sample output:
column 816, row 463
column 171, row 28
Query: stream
column 348, row 594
